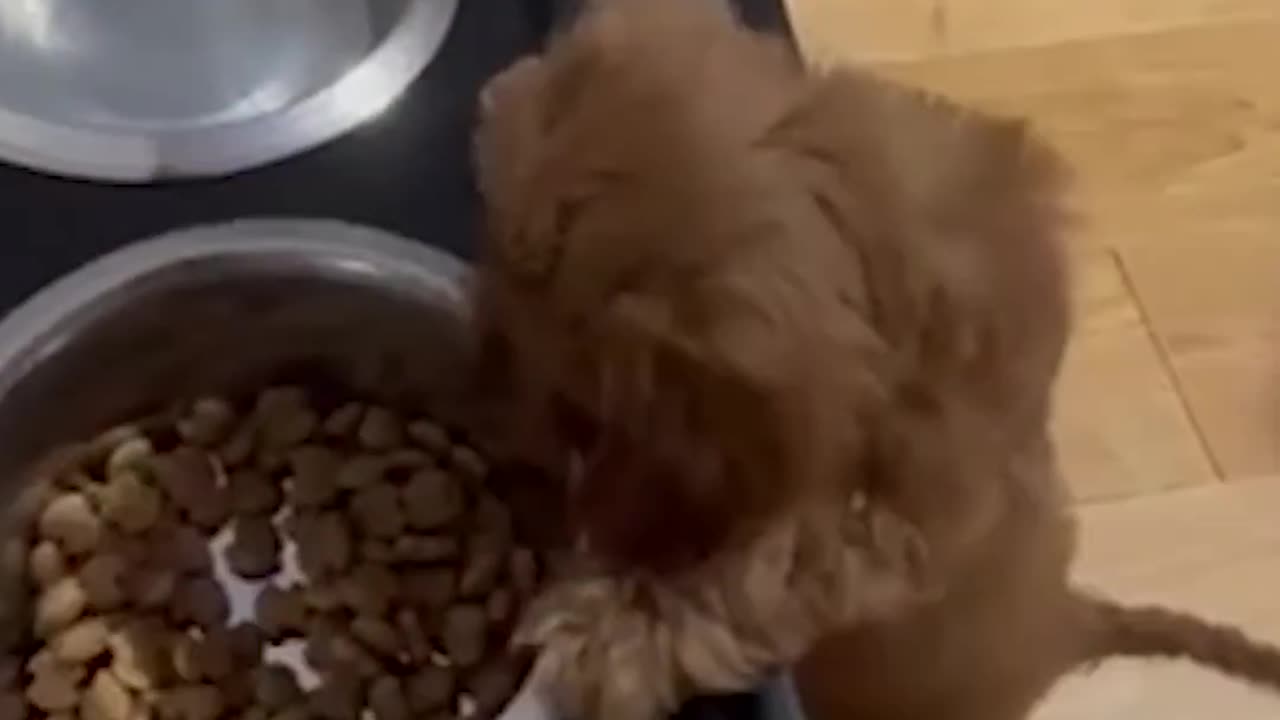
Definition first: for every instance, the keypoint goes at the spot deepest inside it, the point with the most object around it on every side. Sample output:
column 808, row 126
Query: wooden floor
column 1169, row 411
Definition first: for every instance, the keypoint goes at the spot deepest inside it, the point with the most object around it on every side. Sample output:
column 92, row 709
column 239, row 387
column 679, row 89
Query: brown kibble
column 70, row 521
column 188, row 662
column 323, row 597
column 185, row 662
column 431, row 589
column 213, row 512
column 135, row 549
column 103, row 579
column 431, row 688
column 254, row 493
column 192, row 702
column 318, row 648
column 184, row 472
column 324, row 544
column 425, row 549
column 493, row 686
column 407, row 459
column 139, row 654
column 380, row 430
column 46, row 564
column 369, row 589
column 237, row 448
column 247, row 641
column 344, row 421
column 129, row 455
column 209, row 423
column 315, row 475
column 387, row 541
column 377, row 634
column 201, row 600
column 433, row 498
column 150, row 586
column 378, row 551
column 465, row 634
column 237, row 690
column 468, row 462
column 96, row 451
column 377, row 512
column 129, row 503
column 281, row 399
column 275, row 463
column 106, row 699
column 281, row 611
column 59, row 606
column 184, row 549
column 44, row 661
column 76, row 480
column 214, row 655
column 254, row 552
column 286, row 429
column 387, row 699
column 414, row 635
column 81, row 642
column 187, row 476
column 344, row 651
column 361, row 471
column 338, row 698
column 275, row 687
column 53, row 691
column 484, row 564
column 430, row 435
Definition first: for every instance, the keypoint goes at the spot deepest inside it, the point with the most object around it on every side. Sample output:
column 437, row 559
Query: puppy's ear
column 509, row 127
column 522, row 233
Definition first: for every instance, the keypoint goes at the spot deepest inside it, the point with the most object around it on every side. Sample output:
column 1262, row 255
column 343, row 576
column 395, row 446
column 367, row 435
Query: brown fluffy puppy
column 799, row 330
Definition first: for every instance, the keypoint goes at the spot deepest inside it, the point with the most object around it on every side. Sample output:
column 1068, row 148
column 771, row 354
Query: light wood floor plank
column 1121, row 427
column 922, row 29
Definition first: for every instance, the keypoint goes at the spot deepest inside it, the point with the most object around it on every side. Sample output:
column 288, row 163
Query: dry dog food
column 272, row 562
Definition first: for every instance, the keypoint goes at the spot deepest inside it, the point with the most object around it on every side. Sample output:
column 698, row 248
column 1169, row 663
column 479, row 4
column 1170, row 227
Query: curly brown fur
column 800, row 330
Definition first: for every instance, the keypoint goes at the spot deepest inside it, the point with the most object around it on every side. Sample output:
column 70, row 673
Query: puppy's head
column 721, row 277
column 656, row 286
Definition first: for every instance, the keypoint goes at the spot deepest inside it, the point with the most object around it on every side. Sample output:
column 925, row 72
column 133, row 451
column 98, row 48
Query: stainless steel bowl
column 139, row 90
column 225, row 308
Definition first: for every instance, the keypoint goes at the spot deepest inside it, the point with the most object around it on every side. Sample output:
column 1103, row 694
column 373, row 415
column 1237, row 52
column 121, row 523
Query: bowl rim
column 40, row 325
column 363, row 92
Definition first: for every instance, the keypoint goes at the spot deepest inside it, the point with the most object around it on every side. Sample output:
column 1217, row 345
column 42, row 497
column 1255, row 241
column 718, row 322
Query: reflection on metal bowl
column 141, row 90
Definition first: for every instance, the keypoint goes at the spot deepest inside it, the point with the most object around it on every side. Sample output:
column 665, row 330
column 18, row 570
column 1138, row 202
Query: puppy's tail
column 1152, row 631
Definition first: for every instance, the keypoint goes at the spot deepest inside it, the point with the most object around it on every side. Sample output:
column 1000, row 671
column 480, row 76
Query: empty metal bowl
column 139, row 90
